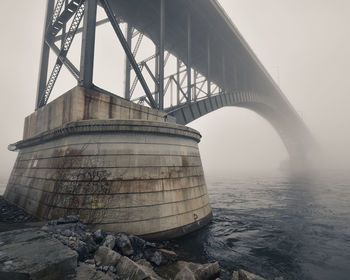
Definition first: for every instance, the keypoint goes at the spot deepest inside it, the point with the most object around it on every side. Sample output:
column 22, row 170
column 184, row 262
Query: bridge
column 212, row 67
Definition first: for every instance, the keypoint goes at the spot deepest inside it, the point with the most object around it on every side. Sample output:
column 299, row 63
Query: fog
column 305, row 46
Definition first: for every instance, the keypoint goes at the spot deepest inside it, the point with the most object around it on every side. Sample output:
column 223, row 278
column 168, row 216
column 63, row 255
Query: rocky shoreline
column 67, row 249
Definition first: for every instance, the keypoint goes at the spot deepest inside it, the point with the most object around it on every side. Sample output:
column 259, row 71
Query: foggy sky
column 304, row 44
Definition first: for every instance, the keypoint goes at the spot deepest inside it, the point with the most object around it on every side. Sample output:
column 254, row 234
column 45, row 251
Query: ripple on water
column 298, row 228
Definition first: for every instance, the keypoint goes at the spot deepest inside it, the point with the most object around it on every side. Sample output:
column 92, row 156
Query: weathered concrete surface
column 34, row 254
column 85, row 104
column 138, row 176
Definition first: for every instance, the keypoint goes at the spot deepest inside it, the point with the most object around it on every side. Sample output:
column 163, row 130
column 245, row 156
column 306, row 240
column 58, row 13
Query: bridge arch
column 287, row 124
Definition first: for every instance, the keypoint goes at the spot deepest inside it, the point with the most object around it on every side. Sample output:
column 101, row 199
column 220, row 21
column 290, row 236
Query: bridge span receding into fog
column 128, row 162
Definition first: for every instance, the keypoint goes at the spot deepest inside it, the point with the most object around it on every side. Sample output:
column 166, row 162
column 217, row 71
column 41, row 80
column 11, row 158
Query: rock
column 70, row 226
column 87, row 272
column 139, row 246
column 112, row 269
column 90, row 262
column 185, row 274
column 127, row 269
column 245, row 275
column 109, row 241
column 279, row 278
column 99, row 235
column 207, row 271
column 235, row 275
column 170, row 256
column 91, row 244
column 10, row 214
column 67, row 233
column 123, row 244
column 34, row 254
column 45, row 228
column 144, row 263
column 147, row 267
column 81, row 248
column 201, row 271
column 154, row 257
column 160, row 256
column 65, row 220
column 106, row 257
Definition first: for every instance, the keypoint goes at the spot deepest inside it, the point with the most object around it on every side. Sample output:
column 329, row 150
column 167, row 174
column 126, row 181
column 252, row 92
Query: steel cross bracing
column 183, row 86
column 67, row 42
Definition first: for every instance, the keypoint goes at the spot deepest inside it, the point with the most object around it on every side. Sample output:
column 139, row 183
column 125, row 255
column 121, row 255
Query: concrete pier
column 118, row 165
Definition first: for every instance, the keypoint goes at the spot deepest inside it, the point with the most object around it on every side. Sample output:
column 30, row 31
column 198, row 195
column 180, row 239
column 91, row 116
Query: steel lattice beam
column 128, row 52
column 62, row 55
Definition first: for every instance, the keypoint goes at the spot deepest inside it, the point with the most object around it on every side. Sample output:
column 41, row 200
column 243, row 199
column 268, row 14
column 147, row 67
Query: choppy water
column 298, row 228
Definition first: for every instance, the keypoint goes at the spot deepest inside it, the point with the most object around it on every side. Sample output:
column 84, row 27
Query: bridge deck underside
column 207, row 20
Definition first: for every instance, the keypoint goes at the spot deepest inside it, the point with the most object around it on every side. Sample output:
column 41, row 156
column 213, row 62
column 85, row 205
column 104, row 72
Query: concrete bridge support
column 119, row 165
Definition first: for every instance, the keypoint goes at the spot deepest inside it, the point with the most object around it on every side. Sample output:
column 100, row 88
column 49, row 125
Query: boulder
column 127, row 269
column 81, row 248
column 87, row 272
column 106, row 257
column 147, row 267
column 139, row 246
column 185, row 274
column 99, row 235
column 70, row 226
column 160, row 256
column 170, row 256
column 235, row 275
column 85, row 249
column 109, row 241
column 123, row 244
column 34, row 254
column 245, row 275
column 91, row 244
column 207, row 271
column 67, row 220
column 201, row 271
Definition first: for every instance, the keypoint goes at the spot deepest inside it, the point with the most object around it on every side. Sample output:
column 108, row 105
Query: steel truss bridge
column 215, row 67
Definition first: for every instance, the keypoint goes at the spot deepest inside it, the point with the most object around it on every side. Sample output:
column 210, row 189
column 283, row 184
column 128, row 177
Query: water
column 298, row 228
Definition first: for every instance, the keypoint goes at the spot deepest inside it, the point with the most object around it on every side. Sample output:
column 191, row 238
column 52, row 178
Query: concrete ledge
column 109, row 126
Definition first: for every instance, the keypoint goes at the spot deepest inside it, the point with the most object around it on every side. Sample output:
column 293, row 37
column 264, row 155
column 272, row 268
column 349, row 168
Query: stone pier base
column 133, row 172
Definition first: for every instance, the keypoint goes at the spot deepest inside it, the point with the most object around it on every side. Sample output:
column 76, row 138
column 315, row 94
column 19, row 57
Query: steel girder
column 62, row 12
column 59, row 14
